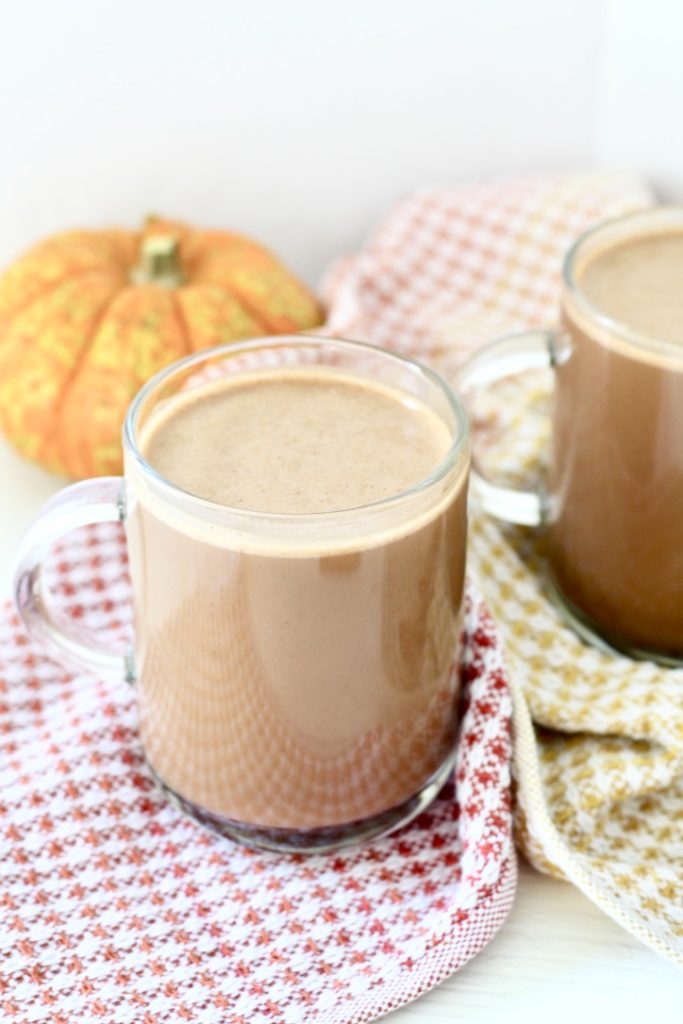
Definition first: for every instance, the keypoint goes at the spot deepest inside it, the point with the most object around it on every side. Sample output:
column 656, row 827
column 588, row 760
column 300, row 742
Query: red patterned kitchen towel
column 118, row 908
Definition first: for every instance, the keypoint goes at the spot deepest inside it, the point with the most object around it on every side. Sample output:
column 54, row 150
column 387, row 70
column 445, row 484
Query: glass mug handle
column 83, row 504
column 515, row 353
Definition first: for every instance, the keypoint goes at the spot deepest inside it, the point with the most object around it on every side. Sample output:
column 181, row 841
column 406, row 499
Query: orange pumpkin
column 87, row 317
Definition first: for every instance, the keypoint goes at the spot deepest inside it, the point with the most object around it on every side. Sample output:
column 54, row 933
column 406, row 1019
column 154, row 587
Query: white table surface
column 556, row 959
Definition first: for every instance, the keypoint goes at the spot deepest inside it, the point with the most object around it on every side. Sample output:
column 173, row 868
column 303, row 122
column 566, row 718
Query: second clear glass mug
column 297, row 675
column 612, row 514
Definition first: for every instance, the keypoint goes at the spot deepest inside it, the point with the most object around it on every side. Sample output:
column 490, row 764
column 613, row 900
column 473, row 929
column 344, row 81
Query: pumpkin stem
column 159, row 262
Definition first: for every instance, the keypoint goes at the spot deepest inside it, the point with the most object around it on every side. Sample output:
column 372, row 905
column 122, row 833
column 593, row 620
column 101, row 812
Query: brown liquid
column 639, row 282
column 301, row 443
column 616, row 537
column 298, row 685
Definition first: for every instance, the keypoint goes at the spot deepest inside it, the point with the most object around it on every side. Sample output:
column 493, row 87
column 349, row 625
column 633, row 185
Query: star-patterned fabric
column 115, row 907
column 598, row 753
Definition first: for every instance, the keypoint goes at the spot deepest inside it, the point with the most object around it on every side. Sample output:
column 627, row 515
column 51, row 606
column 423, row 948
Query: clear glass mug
column 612, row 511
column 297, row 675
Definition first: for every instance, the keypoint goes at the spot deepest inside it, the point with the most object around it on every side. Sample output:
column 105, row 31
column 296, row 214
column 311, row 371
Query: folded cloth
column 116, row 907
column 598, row 739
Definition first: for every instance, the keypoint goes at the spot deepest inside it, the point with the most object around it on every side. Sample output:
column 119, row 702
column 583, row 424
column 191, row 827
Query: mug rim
column 630, row 334
column 446, row 464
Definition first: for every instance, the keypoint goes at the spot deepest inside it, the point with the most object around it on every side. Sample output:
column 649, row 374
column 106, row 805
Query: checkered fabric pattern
column 598, row 739
column 116, row 907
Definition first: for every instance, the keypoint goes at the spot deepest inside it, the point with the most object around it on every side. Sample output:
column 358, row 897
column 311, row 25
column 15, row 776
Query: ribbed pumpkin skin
column 78, row 340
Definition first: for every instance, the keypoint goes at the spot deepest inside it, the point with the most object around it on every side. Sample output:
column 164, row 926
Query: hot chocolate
column 616, row 527
column 298, row 683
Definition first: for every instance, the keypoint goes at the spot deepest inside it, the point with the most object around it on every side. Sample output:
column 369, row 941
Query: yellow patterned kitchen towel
column 598, row 738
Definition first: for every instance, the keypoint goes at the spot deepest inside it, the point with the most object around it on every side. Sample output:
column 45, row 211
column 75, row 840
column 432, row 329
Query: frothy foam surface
column 639, row 282
column 298, row 441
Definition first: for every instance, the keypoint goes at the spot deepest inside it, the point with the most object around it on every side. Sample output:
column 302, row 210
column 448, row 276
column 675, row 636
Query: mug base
column 587, row 631
column 324, row 839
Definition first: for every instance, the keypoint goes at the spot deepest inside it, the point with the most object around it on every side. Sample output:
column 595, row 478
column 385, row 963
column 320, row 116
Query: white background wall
column 640, row 114
column 296, row 120
column 300, row 121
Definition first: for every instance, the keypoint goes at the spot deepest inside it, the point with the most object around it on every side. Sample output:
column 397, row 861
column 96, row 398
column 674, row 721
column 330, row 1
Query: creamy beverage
column 615, row 539
column 298, row 676
column 637, row 282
